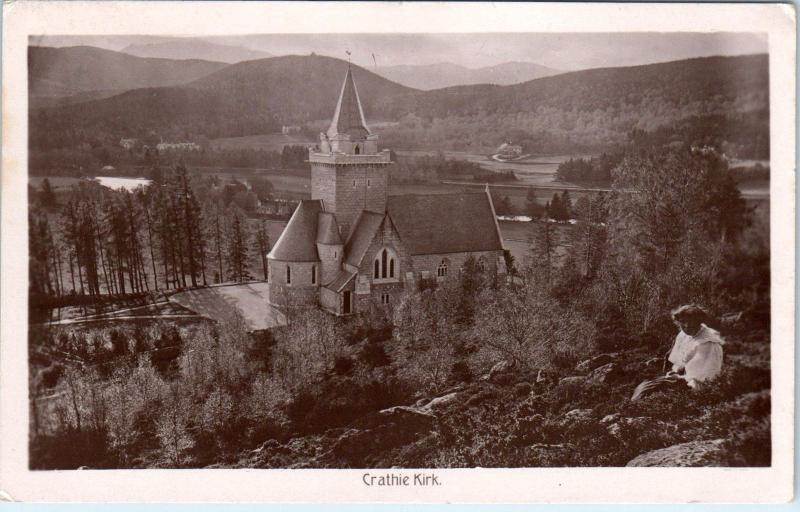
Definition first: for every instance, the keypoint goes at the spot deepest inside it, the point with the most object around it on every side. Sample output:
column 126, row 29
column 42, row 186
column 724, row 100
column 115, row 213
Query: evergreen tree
column 237, row 247
column 47, row 196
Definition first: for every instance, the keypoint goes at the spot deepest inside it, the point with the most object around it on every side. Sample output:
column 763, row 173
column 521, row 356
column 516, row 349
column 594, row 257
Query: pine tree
column 237, row 263
column 566, row 205
column 262, row 240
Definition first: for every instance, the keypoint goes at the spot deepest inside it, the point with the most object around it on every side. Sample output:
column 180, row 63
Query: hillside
column 191, row 48
column 80, row 69
column 246, row 98
column 446, row 74
column 590, row 110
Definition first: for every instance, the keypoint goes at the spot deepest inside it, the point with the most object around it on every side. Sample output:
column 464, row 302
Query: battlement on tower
column 384, row 157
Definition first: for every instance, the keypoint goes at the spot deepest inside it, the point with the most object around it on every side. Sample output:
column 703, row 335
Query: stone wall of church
column 430, row 262
column 346, row 190
column 300, row 291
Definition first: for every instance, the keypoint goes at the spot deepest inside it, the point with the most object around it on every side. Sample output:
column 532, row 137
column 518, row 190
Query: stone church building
column 352, row 245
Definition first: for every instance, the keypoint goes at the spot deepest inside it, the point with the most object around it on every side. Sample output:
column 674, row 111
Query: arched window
column 442, row 270
column 358, row 150
column 384, row 266
column 288, row 274
column 313, row 274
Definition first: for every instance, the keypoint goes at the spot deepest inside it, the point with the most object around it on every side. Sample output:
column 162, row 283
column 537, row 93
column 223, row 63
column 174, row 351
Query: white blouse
column 700, row 355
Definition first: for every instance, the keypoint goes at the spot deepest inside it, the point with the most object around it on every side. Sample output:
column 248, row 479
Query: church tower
column 348, row 173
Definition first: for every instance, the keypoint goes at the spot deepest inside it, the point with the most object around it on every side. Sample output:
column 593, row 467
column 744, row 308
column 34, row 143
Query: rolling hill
column 591, row 109
column 446, row 74
column 63, row 72
column 192, row 48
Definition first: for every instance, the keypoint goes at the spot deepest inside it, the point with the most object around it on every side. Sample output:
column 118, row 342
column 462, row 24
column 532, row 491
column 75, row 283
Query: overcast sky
column 557, row 50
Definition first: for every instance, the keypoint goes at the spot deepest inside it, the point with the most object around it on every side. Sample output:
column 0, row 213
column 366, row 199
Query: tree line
column 180, row 232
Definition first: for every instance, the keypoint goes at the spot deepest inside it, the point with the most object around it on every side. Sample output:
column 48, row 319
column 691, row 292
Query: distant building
column 508, row 150
column 288, row 130
column 178, row 146
column 352, row 246
column 128, row 143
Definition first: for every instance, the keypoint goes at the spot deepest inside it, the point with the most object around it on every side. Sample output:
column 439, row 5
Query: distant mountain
column 60, row 72
column 717, row 98
column 446, row 74
column 241, row 99
column 191, row 48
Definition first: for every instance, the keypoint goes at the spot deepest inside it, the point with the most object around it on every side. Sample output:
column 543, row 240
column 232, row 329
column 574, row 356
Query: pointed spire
column 348, row 119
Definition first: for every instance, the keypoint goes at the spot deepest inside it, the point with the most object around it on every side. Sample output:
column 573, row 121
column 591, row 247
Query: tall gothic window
column 288, row 274
column 442, row 270
column 384, row 266
column 358, row 149
column 313, row 274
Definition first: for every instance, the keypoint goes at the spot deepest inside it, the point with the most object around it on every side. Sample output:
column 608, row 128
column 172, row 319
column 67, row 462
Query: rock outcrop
column 693, row 454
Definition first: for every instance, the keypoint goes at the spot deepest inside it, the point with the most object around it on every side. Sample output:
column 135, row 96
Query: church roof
column 361, row 237
column 328, row 230
column 445, row 223
column 341, row 280
column 298, row 242
column 348, row 119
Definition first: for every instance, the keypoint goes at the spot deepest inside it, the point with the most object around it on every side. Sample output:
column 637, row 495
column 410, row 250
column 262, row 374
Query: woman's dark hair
column 690, row 312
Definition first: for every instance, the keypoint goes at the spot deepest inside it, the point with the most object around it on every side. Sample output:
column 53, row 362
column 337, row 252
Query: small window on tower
column 288, row 274
column 367, row 183
column 313, row 274
column 358, row 150
column 354, row 183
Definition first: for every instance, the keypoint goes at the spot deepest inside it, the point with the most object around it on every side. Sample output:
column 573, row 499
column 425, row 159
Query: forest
column 531, row 370
column 179, row 232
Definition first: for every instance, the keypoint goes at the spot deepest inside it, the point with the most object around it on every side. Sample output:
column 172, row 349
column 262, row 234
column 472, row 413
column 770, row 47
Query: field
column 266, row 142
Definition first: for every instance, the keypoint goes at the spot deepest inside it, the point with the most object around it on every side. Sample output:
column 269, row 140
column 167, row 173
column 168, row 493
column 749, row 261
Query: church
column 352, row 245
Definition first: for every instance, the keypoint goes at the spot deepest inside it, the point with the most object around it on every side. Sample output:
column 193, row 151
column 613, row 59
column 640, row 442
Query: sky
column 564, row 51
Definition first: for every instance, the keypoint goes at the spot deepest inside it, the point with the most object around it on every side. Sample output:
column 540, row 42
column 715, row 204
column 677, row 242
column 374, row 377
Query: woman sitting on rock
column 696, row 355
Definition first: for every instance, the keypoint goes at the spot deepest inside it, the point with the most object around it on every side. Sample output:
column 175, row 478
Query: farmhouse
column 351, row 245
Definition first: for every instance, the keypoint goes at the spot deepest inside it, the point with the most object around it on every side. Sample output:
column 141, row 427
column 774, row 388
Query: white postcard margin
column 551, row 485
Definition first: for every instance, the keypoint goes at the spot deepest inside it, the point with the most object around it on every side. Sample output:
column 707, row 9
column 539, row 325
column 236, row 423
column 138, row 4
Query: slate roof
column 445, row 223
column 348, row 118
column 340, row 281
column 298, row 242
column 362, row 236
column 328, row 230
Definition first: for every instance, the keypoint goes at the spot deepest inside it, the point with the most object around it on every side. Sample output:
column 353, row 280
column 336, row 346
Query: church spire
column 348, row 119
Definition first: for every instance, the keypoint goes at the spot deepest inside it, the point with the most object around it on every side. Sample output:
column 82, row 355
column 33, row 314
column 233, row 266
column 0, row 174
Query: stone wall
column 330, row 262
column 346, row 190
column 300, row 291
column 431, row 262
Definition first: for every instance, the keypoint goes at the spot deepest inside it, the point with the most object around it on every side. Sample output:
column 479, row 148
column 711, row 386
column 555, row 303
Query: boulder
column 422, row 402
column 501, row 373
column 571, row 387
column 409, row 417
column 577, row 415
column 439, row 402
column 711, row 453
column 605, row 374
column 595, row 362
column 624, row 428
column 610, row 418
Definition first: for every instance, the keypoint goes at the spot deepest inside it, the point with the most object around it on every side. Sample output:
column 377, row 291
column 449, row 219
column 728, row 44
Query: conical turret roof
column 348, row 119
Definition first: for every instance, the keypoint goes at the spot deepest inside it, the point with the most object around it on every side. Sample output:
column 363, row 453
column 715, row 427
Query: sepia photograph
column 389, row 251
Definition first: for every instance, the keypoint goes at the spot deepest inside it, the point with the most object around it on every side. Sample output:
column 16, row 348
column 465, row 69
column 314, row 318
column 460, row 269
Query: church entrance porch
column 347, row 302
